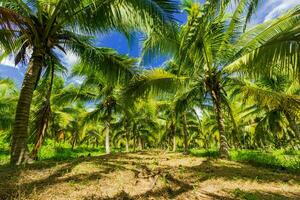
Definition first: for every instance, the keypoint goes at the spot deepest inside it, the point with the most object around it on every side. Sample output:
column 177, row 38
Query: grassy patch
column 65, row 152
column 58, row 152
column 257, row 195
column 277, row 159
column 212, row 153
column 4, row 153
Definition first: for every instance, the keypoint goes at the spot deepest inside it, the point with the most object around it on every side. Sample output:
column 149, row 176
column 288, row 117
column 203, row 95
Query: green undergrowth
column 58, row 152
column 277, row 159
column 258, row 195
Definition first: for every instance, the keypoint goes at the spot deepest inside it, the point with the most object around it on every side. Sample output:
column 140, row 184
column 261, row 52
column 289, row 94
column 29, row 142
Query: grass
column 4, row 152
column 276, row 159
column 58, row 151
column 257, row 195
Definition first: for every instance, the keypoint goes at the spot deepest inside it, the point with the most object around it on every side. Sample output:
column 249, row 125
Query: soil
column 146, row 175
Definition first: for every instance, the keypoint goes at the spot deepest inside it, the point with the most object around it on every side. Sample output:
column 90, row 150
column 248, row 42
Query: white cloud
column 70, row 59
column 279, row 6
column 8, row 61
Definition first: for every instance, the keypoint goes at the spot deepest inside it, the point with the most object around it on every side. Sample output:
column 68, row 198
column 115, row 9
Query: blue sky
column 268, row 10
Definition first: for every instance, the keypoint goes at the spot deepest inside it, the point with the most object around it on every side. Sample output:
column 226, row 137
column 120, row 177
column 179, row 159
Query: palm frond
column 155, row 81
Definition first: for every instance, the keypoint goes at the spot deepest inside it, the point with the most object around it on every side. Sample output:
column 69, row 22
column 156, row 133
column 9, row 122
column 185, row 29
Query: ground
column 147, row 175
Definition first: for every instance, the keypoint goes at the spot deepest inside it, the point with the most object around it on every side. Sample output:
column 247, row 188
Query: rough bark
column 19, row 149
column 224, row 153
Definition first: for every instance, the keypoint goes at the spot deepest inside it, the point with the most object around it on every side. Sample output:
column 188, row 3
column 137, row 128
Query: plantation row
column 225, row 85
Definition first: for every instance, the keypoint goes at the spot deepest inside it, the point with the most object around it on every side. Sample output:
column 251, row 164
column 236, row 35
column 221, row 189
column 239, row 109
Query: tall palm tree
column 214, row 45
column 36, row 30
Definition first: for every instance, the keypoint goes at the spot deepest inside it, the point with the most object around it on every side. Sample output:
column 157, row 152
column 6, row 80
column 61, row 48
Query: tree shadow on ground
column 11, row 189
column 176, row 188
column 9, row 176
column 59, row 172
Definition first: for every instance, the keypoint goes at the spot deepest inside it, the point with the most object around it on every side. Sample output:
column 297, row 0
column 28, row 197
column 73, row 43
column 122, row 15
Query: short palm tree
column 53, row 110
column 8, row 100
column 35, row 31
column 104, row 94
column 274, row 104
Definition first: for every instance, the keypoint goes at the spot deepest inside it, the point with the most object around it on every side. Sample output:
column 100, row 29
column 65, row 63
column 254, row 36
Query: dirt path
column 147, row 175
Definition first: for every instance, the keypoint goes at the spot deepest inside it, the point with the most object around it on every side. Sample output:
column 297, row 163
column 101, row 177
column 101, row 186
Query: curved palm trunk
column 19, row 153
column 224, row 153
column 40, row 134
column 43, row 124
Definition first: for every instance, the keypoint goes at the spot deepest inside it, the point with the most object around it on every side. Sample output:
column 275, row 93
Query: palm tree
column 42, row 101
column 56, row 113
column 8, row 99
column 211, row 47
column 99, row 89
column 274, row 103
column 46, row 27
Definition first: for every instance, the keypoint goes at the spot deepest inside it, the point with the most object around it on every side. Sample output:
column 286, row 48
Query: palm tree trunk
column 127, row 144
column 185, row 133
column 74, row 141
column 127, row 136
column 174, row 143
column 127, row 141
column 174, row 137
column 107, row 146
column 140, row 143
column 19, row 149
column 75, row 137
column 43, row 124
column 224, row 153
column 134, row 142
column 39, row 140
